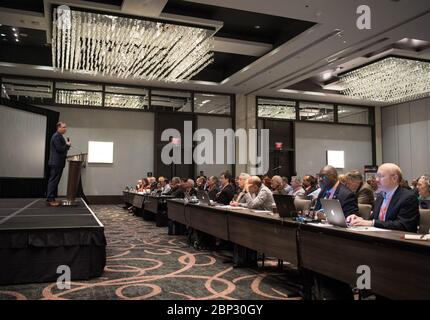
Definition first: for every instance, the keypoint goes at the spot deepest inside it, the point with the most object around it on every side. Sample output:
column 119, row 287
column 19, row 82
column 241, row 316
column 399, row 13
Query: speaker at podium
column 76, row 162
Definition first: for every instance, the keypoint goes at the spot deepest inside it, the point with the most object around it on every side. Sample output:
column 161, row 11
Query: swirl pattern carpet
column 144, row 262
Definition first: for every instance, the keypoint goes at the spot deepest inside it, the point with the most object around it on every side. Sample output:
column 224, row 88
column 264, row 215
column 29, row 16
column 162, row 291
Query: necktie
column 384, row 207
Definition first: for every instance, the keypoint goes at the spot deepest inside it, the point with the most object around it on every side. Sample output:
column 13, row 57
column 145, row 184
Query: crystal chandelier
column 103, row 44
column 391, row 80
column 79, row 97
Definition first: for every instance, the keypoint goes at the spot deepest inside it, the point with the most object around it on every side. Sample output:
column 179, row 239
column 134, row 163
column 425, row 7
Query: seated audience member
column 226, row 193
column 297, row 189
column 257, row 196
column 189, row 189
column 278, row 186
column 153, row 185
column 201, row 183
column 235, row 184
column 414, row 184
column 405, row 184
column 363, row 192
column 331, row 188
column 396, row 208
column 139, row 184
column 287, row 187
column 164, row 186
column 212, row 187
column 176, row 189
column 267, row 182
column 310, row 184
column 144, row 185
column 242, row 180
column 423, row 188
column 342, row 178
column 373, row 184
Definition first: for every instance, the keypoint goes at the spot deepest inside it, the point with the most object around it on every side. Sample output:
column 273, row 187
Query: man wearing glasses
column 331, row 188
column 396, row 208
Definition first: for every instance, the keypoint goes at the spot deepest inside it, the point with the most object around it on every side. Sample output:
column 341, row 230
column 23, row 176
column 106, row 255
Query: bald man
column 278, row 186
column 396, row 208
column 164, row 186
column 256, row 196
column 331, row 188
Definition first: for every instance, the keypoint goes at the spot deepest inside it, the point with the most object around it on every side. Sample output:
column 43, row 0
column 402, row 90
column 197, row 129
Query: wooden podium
column 75, row 164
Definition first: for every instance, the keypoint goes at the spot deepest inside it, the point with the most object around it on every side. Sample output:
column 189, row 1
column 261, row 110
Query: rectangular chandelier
column 390, row 80
column 101, row 44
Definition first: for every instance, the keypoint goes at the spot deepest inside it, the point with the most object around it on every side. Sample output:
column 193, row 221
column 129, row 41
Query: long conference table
column 399, row 269
column 150, row 206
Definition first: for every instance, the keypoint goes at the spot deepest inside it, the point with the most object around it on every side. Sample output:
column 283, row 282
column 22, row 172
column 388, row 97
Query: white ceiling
column 333, row 41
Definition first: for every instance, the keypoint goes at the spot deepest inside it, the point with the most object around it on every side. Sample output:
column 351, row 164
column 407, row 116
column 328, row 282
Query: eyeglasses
column 380, row 176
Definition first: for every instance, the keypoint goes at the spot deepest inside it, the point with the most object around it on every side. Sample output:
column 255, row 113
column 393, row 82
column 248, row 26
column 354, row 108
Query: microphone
column 68, row 139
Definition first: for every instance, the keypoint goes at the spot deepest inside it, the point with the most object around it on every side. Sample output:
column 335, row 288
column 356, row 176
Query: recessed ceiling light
column 257, row 27
column 13, row 29
column 3, row 35
column 17, row 40
column 327, row 75
column 313, row 93
column 15, row 34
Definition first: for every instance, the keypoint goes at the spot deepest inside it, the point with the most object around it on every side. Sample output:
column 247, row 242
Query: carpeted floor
column 144, row 262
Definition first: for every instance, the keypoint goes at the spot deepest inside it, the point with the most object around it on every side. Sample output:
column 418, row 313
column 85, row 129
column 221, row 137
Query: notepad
column 262, row 211
column 368, row 229
column 231, row 207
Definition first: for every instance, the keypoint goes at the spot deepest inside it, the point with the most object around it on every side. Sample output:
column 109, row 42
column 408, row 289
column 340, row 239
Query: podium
column 75, row 164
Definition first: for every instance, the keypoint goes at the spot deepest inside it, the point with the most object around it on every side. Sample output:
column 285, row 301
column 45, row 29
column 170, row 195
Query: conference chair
column 364, row 211
column 302, row 204
column 424, row 221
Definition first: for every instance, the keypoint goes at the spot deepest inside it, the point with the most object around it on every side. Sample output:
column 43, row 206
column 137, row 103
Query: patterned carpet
column 144, row 262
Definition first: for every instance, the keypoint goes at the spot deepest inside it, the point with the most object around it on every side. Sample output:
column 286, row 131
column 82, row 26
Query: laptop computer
column 285, row 205
column 203, row 197
column 334, row 213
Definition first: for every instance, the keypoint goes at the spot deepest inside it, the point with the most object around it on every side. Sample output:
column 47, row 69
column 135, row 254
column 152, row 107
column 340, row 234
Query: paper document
column 368, row 229
column 423, row 237
column 262, row 211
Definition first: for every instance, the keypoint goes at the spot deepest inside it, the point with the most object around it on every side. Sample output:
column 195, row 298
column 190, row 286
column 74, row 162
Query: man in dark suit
column 176, row 190
column 396, row 208
column 57, row 161
column 226, row 195
column 331, row 188
column 212, row 187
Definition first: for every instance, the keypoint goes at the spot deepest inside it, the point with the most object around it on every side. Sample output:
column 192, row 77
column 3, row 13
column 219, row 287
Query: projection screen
column 22, row 141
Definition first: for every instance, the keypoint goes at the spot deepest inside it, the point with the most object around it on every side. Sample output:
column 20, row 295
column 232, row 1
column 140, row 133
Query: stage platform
column 36, row 239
